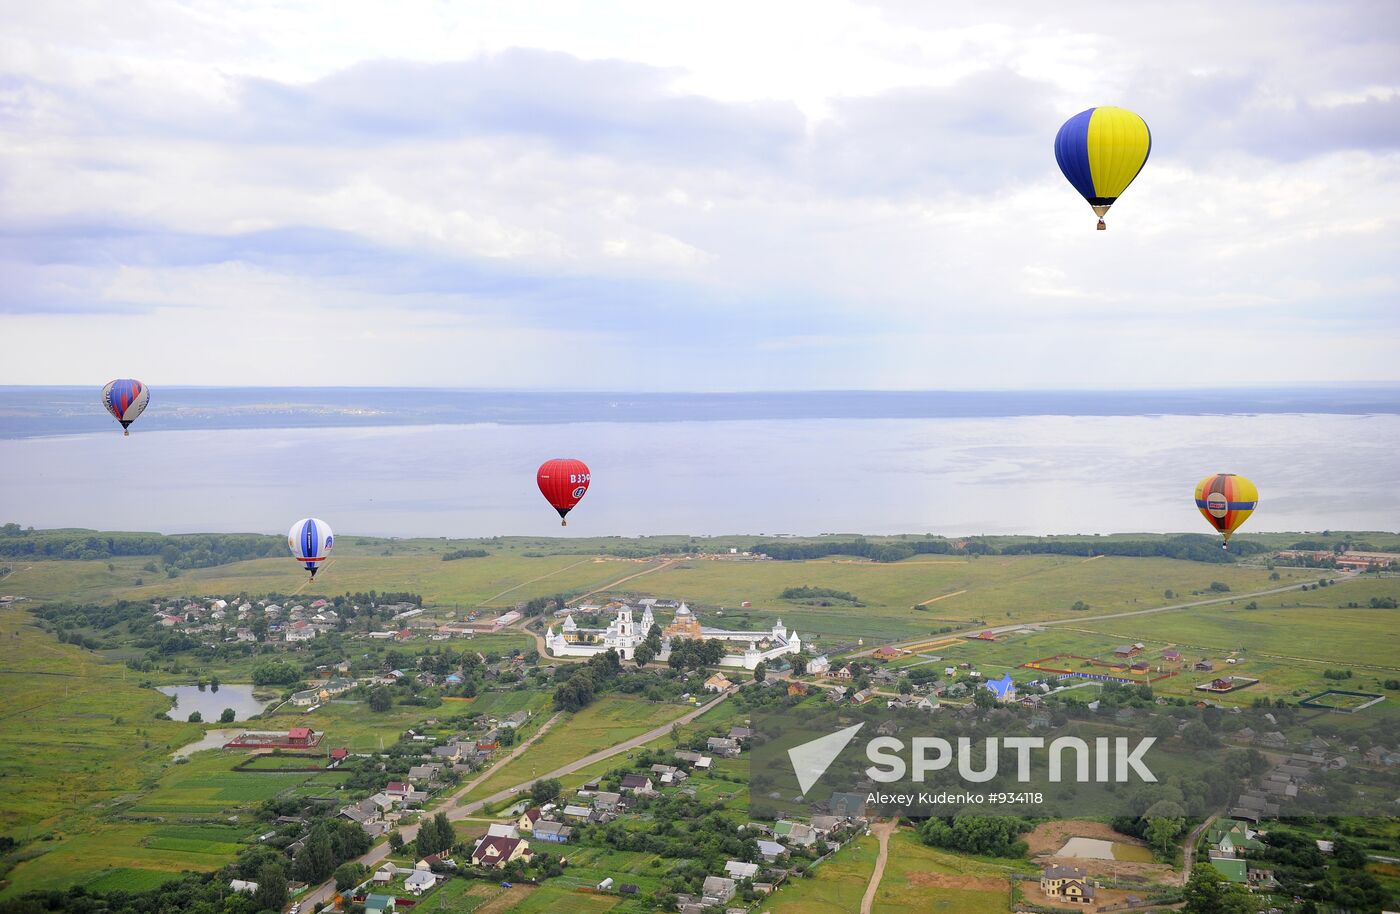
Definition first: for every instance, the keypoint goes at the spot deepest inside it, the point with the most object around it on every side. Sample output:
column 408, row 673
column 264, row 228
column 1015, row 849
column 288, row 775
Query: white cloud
column 783, row 195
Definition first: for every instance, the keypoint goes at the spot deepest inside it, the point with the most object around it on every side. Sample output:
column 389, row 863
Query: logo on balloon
column 1218, row 505
column 578, row 493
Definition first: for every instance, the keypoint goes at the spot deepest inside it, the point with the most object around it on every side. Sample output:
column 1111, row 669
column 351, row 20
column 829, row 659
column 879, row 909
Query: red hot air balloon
column 563, row 482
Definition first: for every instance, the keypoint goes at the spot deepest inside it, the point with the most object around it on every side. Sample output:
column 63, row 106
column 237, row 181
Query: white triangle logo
column 811, row 759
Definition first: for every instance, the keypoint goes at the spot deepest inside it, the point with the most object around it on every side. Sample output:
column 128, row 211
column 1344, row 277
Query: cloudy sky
column 707, row 196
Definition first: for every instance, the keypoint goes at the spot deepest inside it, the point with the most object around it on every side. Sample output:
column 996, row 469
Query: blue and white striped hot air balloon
column 310, row 540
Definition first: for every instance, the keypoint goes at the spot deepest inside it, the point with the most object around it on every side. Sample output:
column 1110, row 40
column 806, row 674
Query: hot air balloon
column 125, row 399
column 563, row 482
column 1101, row 151
column 310, row 540
column 1226, row 501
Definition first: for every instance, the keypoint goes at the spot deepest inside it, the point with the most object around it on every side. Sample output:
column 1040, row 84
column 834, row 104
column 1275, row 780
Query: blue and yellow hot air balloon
column 1101, row 151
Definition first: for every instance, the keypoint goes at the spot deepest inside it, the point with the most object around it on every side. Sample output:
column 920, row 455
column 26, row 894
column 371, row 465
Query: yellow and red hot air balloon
column 1100, row 152
column 1226, row 501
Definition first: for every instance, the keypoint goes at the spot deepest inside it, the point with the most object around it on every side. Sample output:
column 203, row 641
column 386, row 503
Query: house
column 1067, row 883
column 452, row 752
column 723, row 746
column 738, row 870
column 1204, row 666
column 717, row 683
column 493, row 852
column 887, row 654
column 1171, row 655
column 516, row 720
column 636, row 784
column 299, row 737
column 717, row 890
column 771, row 851
column 863, row 696
column 818, row 666
column 737, row 732
column 380, row 904
column 797, row 834
column 844, row 674
column 669, row 774
column 1123, row 651
column 797, row 688
column 384, row 875
column 421, row 773
column 420, row 881
column 243, row 885
column 397, row 789
column 607, row 801
column 577, row 812
column 703, row 762
column 1236, row 871
column 502, row 830
column 1004, row 688
column 528, row 818
column 553, row 832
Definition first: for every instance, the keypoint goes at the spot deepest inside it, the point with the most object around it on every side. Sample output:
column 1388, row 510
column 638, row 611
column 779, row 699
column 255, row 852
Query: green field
column 923, row 878
column 75, row 733
column 836, row 886
column 606, row 722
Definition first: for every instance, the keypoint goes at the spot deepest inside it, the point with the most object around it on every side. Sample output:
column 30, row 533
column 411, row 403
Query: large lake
column 782, row 470
column 210, row 703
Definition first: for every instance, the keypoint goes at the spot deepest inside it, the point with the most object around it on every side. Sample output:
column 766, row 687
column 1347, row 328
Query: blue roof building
column 1004, row 688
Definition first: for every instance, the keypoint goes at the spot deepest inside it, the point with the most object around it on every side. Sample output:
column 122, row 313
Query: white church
column 746, row 649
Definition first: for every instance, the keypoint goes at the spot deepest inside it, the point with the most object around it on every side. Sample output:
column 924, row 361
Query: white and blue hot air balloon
column 310, row 540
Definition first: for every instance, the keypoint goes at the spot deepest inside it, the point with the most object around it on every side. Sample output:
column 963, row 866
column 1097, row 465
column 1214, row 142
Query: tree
column 1079, row 606
column 227, row 716
column 575, row 694
column 1207, row 893
column 380, row 699
column 644, row 654
column 799, row 663
column 196, row 717
column 760, row 672
column 1162, row 828
column 395, row 841
column 983, row 697
column 543, row 791
column 272, row 888
column 317, row 858
column 348, row 875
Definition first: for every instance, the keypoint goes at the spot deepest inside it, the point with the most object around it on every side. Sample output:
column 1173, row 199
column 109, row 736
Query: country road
column 371, row 859
column 1342, row 578
column 1189, row 850
column 326, row 890
column 882, row 831
column 606, row 587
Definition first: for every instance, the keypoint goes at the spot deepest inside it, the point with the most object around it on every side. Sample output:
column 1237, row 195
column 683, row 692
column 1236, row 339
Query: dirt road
column 882, row 832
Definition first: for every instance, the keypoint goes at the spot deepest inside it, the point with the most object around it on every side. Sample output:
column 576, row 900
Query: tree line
column 1189, row 546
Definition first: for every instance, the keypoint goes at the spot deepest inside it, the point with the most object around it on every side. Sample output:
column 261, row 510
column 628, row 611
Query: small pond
column 211, row 703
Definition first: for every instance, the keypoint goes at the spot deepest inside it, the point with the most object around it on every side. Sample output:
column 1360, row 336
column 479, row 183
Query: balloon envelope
column 563, row 481
column 1101, row 151
column 310, row 540
column 1226, row 500
column 125, row 399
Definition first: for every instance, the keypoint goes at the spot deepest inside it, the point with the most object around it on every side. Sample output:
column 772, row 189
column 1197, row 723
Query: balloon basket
column 563, row 523
column 1103, row 226
column 126, row 433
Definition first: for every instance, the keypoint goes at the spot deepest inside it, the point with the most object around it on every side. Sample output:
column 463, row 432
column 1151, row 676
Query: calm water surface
column 210, row 704
column 953, row 475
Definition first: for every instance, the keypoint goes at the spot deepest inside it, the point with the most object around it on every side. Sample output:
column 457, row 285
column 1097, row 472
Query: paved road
column 376, row 854
column 882, row 831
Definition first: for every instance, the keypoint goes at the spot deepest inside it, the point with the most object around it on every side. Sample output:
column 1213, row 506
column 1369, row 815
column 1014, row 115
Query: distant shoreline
column 43, row 411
